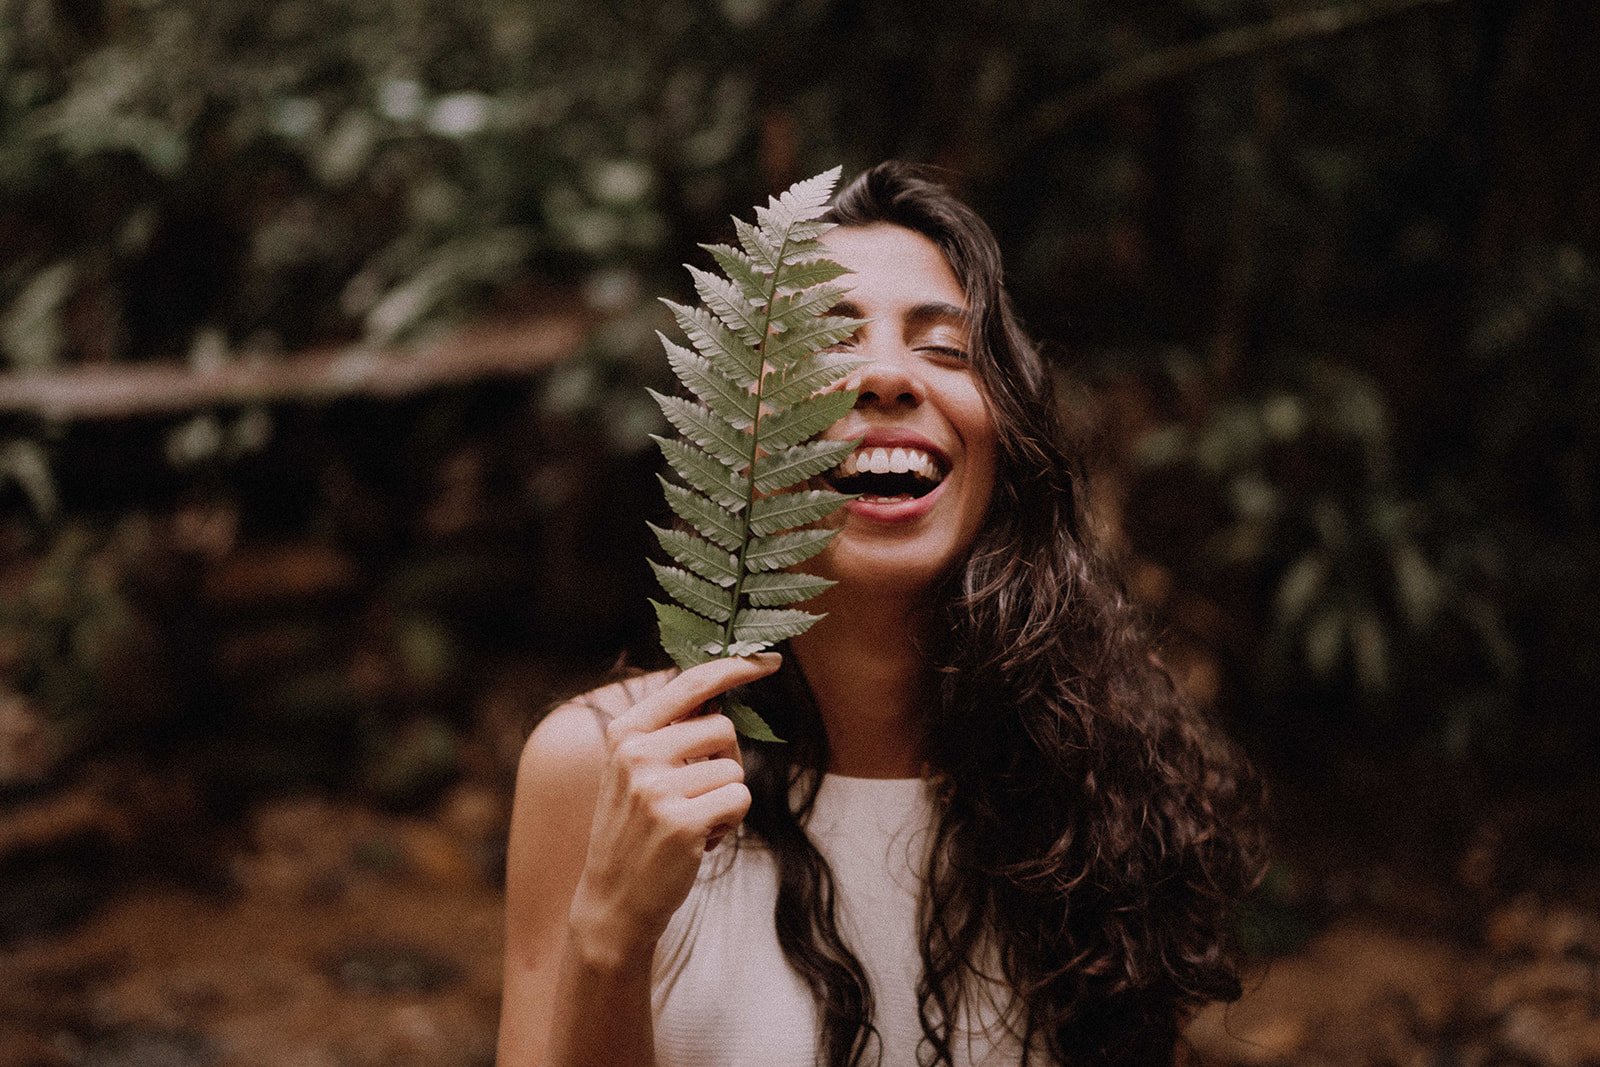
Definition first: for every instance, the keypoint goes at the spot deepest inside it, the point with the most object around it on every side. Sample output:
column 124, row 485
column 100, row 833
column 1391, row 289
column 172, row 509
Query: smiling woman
column 920, row 404
column 996, row 835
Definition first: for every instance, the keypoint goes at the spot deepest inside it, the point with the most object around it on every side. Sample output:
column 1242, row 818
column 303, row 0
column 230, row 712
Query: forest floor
column 323, row 933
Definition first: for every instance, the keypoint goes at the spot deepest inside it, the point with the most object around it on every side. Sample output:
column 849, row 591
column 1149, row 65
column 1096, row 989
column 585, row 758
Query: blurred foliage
column 1335, row 302
column 61, row 626
column 1419, row 587
column 294, row 172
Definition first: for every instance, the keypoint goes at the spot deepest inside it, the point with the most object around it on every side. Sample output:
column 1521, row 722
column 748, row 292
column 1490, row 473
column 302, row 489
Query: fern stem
column 755, row 437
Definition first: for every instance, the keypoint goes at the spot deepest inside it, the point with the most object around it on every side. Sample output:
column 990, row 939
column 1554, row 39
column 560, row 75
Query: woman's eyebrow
column 937, row 313
column 919, row 317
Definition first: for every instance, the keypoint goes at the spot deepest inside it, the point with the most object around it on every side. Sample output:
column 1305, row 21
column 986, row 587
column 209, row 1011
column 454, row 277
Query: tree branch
column 1146, row 72
column 505, row 349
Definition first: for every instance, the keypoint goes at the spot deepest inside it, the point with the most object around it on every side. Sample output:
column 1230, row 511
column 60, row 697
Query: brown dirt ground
column 345, row 937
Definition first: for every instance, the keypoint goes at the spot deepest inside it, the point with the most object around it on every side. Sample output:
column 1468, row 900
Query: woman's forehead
column 894, row 268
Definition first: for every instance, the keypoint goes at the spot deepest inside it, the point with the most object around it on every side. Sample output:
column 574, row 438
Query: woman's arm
column 615, row 802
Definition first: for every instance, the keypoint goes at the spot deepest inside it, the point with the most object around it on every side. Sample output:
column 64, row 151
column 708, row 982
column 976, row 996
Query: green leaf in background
column 758, row 373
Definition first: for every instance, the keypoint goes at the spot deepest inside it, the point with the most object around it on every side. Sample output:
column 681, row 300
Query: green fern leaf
column 728, row 305
column 811, row 376
column 807, row 418
column 761, row 251
column 771, row 624
column 745, row 720
column 705, row 428
column 696, row 594
column 720, row 527
column 785, row 511
column 718, row 344
column 791, row 466
column 785, row 549
column 763, row 388
column 803, row 246
column 807, row 273
column 744, row 272
column 793, row 308
column 783, row 587
column 726, row 397
column 808, row 337
column 703, row 472
column 802, row 202
column 700, row 556
column 687, row 638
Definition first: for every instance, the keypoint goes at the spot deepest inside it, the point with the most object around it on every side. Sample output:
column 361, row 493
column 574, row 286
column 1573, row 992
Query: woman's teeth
column 888, row 474
column 890, row 461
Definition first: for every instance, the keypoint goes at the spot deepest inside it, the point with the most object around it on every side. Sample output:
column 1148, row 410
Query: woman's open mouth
column 888, row 475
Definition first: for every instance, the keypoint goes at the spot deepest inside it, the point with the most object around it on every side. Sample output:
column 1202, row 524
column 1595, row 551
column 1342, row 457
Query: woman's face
column 926, row 466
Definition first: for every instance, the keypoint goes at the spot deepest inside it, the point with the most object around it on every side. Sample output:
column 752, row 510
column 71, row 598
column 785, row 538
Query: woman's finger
column 691, row 740
column 697, row 779
column 702, row 737
column 685, row 694
column 721, row 808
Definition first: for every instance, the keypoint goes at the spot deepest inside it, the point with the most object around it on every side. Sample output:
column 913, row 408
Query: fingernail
column 766, row 659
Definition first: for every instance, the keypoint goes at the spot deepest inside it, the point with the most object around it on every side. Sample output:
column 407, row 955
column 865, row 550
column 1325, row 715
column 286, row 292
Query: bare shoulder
column 613, row 699
column 568, row 745
column 558, row 787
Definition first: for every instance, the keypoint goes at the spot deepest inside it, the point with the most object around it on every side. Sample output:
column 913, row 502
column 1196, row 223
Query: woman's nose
column 886, row 380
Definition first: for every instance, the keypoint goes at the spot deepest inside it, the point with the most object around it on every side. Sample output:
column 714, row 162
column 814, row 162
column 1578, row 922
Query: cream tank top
column 723, row 994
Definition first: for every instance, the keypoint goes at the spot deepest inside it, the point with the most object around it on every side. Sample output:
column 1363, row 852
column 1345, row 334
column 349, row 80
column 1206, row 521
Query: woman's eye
column 946, row 352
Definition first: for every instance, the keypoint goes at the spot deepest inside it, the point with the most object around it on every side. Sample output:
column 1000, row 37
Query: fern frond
column 685, row 636
column 742, row 270
column 807, row 337
column 745, row 720
column 761, row 395
column 807, row 273
column 717, row 343
column 728, row 304
column 767, row 256
column 802, row 202
column 790, row 309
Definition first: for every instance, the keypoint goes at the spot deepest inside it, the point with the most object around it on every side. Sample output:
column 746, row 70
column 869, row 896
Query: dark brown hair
column 1095, row 835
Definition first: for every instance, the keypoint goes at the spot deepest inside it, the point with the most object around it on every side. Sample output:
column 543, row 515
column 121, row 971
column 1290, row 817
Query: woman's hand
column 672, row 785
column 617, row 798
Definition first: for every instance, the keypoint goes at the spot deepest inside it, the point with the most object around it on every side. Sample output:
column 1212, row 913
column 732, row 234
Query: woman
column 997, row 834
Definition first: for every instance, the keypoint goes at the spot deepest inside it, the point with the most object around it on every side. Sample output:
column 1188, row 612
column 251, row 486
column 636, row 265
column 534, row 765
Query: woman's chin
column 876, row 570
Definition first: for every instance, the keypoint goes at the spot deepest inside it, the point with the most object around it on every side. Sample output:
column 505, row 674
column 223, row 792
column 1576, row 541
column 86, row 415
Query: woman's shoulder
column 558, row 777
column 570, row 740
column 614, row 698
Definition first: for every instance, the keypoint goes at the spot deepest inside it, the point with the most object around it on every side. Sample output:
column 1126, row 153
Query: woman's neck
column 871, row 684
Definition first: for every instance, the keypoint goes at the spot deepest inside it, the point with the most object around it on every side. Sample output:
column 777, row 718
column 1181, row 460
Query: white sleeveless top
column 724, row 995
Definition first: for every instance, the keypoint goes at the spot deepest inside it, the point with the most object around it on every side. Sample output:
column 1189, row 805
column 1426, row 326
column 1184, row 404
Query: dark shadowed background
column 324, row 333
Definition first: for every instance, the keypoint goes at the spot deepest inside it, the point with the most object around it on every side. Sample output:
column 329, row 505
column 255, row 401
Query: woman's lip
column 895, row 511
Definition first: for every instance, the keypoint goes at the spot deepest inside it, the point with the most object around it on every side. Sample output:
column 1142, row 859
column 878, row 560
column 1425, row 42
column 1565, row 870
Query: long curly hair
column 1094, row 835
